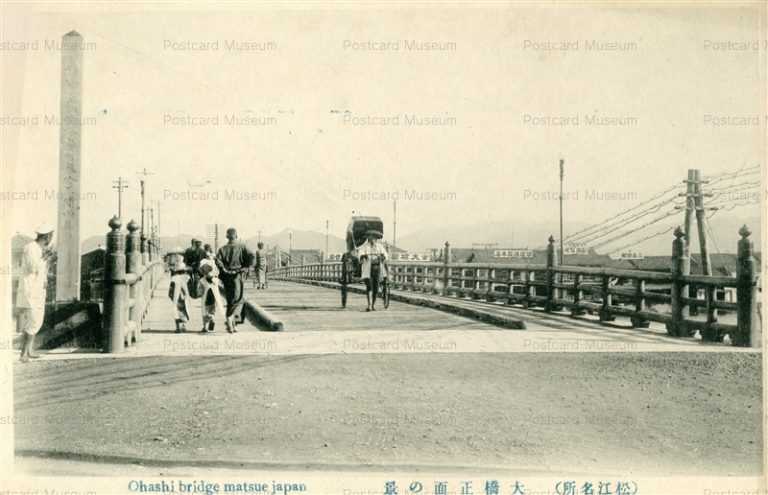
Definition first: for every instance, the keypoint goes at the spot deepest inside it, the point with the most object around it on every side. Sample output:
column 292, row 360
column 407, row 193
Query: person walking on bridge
column 373, row 257
column 30, row 295
column 233, row 259
column 193, row 255
column 261, row 267
column 178, row 293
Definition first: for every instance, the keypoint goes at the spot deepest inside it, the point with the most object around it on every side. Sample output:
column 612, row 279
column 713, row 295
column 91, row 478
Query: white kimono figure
column 30, row 297
column 369, row 250
column 178, row 292
column 212, row 263
column 208, row 288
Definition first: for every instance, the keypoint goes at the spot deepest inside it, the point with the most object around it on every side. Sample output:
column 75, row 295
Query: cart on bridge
column 351, row 267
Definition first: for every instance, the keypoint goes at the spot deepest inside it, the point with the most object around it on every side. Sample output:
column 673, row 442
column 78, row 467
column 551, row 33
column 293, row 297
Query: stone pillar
column 681, row 265
column 115, row 293
column 551, row 279
column 68, row 225
column 133, row 265
column 749, row 324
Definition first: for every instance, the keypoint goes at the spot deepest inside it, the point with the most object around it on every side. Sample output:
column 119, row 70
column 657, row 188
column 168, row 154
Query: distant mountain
column 302, row 239
column 183, row 241
column 93, row 242
column 505, row 234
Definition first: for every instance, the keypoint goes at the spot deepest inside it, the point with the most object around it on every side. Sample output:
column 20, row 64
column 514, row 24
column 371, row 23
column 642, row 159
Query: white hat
column 44, row 229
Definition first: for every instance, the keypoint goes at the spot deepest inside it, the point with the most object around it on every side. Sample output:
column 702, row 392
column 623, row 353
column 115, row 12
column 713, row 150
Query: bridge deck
column 350, row 391
column 315, row 323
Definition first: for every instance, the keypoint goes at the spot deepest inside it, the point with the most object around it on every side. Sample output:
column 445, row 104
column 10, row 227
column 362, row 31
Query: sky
column 328, row 103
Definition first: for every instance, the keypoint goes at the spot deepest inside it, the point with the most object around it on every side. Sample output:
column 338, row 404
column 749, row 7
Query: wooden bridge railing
column 130, row 276
column 607, row 292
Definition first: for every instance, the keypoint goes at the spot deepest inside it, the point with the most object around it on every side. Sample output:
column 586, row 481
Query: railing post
column 114, row 289
column 446, row 269
column 605, row 310
column 489, row 285
column 578, row 294
column 640, row 305
column 748, row 323
column 551, row 263
column 133, row 265
column 680, row 266
column 144, row 253
column 530, row 289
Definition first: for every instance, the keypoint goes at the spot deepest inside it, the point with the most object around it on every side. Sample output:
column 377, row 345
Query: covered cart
column 357, row 234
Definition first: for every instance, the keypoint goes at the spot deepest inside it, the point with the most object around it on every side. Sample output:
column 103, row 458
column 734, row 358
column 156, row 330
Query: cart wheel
column 343, row 295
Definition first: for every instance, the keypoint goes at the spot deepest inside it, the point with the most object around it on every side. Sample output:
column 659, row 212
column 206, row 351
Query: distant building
column 575, row 248
column 406, row 256
column 515, row 253
column 627, row 255
column 304, row 256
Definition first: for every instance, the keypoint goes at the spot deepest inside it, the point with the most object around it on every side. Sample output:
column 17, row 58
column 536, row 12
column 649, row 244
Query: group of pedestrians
column 201, row 274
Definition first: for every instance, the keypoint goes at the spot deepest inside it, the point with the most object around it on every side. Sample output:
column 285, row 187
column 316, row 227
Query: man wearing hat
column 192, row 258
column 30, row 297
column 371, row 251
column 233, row 259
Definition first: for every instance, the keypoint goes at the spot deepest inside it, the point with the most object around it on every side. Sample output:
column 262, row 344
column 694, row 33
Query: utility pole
column 144, row 173
column 157, row 225
column 690, row 192
column 394, row 225
column 152, row 230
column 701, row 223
column 120, row 184
column 694, row 204
column 290, row 247
column 327, row 226
column 259, row 238
column 562, row 174
column 141, row 183
column 143, row 237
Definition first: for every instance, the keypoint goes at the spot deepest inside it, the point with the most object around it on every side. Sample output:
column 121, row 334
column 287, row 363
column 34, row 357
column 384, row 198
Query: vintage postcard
column 382, row 248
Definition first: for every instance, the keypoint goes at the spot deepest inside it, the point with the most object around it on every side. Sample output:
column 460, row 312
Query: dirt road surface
column 628, row 413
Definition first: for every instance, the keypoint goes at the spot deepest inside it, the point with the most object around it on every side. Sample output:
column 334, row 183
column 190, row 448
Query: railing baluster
column 578, row 294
